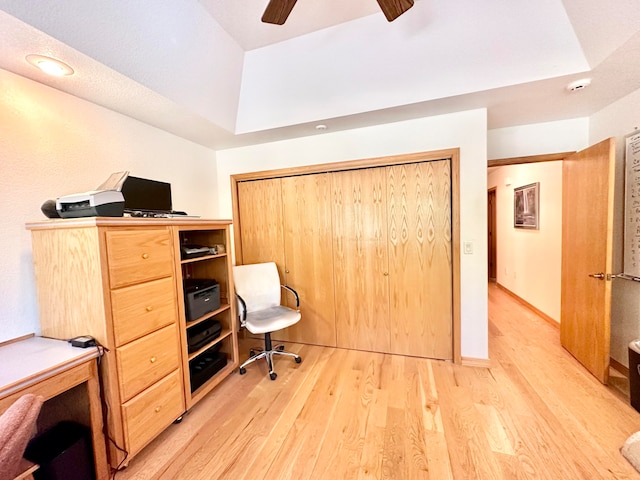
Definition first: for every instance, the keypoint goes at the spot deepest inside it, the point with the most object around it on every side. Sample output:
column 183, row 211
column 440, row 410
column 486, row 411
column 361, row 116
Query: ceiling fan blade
column 392, row 9
column 277, row 11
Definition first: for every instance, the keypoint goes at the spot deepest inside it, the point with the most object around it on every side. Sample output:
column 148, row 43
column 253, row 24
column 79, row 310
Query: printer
column 105, row 201
column 96, row 203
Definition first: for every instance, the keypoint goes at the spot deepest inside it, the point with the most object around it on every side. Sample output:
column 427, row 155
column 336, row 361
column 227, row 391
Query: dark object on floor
column 634, row 374
column 63, row 452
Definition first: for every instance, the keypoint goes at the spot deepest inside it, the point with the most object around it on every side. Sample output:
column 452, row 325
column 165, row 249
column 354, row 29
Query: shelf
column 207, row 267
column 224, row 334
column 204, row 257
column 213, row 381
column 208, row 315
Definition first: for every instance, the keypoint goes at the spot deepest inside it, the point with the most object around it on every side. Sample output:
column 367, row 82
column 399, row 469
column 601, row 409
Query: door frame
column 492, row 255
column 452, row 154
column 548, row 157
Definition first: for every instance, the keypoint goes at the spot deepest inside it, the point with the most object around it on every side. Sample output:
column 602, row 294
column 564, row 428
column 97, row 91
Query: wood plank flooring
column 535, row 414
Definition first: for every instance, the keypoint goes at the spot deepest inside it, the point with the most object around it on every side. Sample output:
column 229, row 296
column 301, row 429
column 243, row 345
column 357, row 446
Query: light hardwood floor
column 536, row 413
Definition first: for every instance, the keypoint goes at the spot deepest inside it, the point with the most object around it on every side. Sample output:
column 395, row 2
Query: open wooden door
column 587, row 242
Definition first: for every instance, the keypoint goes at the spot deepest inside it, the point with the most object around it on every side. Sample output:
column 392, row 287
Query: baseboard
column 540, row 313
column 619, row 367
column 475, row 362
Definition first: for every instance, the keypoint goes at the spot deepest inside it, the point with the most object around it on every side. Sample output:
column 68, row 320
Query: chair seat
column 271, row 319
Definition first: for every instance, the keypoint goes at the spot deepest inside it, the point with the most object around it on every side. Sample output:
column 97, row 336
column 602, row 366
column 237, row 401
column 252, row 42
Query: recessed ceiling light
column 321, row 127
column 49, row 65
column 579, row 84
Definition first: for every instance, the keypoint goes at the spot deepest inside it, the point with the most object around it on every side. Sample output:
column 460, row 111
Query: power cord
column 86, row 341
column 105, row 412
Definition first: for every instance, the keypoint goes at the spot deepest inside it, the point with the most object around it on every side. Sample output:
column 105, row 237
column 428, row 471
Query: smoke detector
column 579, row 85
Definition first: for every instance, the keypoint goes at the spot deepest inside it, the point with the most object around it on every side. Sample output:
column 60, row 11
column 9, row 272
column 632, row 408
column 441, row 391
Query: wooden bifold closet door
column 361, row 259
column 369, row 250
column 288, row 221
column 392, row 247
column 260, row 205
column 420, row 261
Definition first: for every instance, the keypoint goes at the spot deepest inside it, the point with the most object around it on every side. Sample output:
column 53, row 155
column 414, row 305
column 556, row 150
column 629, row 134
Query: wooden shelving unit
column 217, row 267
column 121, row 280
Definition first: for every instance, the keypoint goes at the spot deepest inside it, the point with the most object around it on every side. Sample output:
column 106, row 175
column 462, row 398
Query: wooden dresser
column 120, row 280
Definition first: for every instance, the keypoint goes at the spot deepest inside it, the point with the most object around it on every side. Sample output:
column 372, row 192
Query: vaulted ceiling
column 211, row 72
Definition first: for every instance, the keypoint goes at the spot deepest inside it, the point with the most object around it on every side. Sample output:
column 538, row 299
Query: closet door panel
column 308, row 257
column 420, row 262
column 360, row 259
column 261, row 222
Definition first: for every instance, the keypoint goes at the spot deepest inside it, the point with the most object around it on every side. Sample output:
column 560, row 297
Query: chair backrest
column 258, row 284
column 17, row 426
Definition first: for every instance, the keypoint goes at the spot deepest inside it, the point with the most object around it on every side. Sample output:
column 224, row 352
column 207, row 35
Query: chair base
column 268, row 354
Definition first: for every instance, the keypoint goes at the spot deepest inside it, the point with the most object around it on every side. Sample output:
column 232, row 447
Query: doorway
column 580, row 332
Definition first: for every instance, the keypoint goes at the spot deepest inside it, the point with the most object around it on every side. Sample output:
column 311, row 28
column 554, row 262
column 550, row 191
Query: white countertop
column 28, row 361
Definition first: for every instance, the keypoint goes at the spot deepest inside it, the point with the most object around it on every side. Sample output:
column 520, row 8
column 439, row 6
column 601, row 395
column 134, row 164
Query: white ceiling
column 241, row 18
column 118, row 66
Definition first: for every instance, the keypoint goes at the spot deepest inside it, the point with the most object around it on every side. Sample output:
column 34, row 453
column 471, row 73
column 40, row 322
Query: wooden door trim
column 491, row 227
column 346, row 165
column 548, row 157
column 452, row 154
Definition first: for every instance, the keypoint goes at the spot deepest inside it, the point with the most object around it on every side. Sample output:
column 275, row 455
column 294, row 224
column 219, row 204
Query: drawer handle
column 149, row 308
column 145, row 255
column 158, row 409
column 153, row 359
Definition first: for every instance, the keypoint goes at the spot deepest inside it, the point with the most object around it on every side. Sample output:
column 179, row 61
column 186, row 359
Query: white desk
column 48, row 367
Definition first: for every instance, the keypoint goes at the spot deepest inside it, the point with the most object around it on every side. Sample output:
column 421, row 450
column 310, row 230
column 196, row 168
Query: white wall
column 466, row 130
column 529, row 261
column 52, row 144
column 618, row 120
column 538, row 139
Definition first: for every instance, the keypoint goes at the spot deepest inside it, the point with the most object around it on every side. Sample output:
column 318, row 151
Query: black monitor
column 142, row 194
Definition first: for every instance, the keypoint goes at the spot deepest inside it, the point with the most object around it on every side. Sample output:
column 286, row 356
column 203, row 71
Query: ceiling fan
column 277, row 11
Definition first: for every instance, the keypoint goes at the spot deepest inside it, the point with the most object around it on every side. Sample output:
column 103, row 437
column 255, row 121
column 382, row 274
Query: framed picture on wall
column 526, row 206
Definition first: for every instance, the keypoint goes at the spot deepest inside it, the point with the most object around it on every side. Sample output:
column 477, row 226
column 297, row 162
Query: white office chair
column 258, row 291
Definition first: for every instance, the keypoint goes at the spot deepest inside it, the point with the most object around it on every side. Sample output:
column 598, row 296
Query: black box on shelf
column 64, row 452
column 201, row 334
column 206, row 365
column 201, row 296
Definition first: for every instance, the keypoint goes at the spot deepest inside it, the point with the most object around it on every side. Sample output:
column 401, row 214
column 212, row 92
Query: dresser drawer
column 146, row 360
column 146, row 415
column 138, row 255
column 141, row 309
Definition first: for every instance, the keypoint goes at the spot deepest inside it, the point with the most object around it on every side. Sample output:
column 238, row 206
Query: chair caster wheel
column 298, row 359
column 273, row 376
column 281, row 348
column 242, row 370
